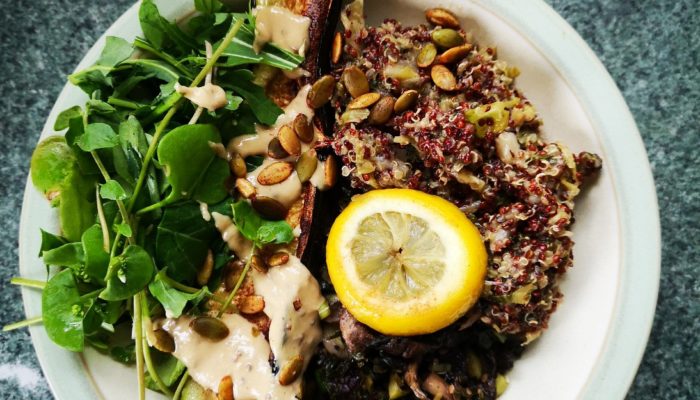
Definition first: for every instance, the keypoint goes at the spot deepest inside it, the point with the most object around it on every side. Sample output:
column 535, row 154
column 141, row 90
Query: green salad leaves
column 130, row 175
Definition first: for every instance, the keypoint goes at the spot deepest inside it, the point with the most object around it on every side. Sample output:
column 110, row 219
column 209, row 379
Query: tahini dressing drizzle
column 281, row 27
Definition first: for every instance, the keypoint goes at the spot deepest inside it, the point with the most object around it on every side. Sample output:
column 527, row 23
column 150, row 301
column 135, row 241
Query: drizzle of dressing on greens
column 281, row 27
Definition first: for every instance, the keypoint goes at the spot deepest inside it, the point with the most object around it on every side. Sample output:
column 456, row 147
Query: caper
column 405, row 101
column 269, row 207
column 306, row 165
column 303, row 128
column 211, row 328
column 321, row 92
column 426, row 55
column 381, row 112
column 355, row 81
column 447, row 38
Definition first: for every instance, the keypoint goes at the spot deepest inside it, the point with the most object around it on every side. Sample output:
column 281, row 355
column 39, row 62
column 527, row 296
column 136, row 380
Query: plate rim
column 599, row 96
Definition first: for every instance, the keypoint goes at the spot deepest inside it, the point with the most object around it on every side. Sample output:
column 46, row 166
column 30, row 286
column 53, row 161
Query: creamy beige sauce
column 292, row 332
column 286, row 192
column 244, row 355
column 230, row 234
column 256, row 144
column 281, row 27
column 209, row 96
column 204, row 210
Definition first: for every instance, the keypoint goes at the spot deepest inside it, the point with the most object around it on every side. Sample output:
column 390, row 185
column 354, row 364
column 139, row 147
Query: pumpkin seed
column 245, row 188
column 364, row 101
column 206, row 269
column 426, row 55
column 337, row 49
column 303, row 128
column 443, row 77
column 269, row 207
column 210, row 328
column 289, row 140
column 225, row 388
column 306, row 165
column 291, row 370
column 354, row 116
column 275, row 149
column 442, row 17
column 330, row 172
column 407, row 100
column 275, row 173
column 258, row 264
column 447, row 38
column 454, row 54
column 251, row 304
column 355, row 81
column 277, row 259
column 163, row 341
column 237, row 164
column 381, row 112
column 321, row 92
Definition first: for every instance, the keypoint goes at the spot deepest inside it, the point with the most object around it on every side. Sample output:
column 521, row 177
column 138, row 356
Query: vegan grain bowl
column 255, row 204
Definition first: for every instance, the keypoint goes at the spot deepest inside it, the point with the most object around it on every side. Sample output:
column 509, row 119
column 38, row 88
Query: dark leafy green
column 128, row 274
column 259, row 230
column 97, row 136
column 63, row 311
column 112, row 190
column 95, row 256
column 173, row 300
column 65, row 256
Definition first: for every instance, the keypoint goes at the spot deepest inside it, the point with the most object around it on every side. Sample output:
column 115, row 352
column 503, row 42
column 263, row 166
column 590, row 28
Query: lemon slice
column 405, row 262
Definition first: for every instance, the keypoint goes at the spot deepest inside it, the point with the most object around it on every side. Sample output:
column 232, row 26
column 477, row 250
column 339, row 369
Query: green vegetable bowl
column 597, row 337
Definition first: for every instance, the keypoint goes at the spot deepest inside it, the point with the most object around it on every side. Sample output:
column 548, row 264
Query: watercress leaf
column 207, row 6
column 173, row 300
column 125, row 354
column 265, row 110
column 97, row 136
column 160, row 32
column 188, row 162
column 92, row 320
column 92, row 79
column 156, row 68
column 115, row 51
column 112, row 190
column 233, row 102
column 274, row 232
column 128, row 274
column 61, row 122
column 182, row 241
column 52, row 162
column 86, row 164
column 212, row 188
column 62, row 311
column 246, row 219
column 168, row 368
column 49, row 241
column 67, row 255
column 100, row 107
column 95, row 256
column 124, row 229
column 241, row 51
column 77, row 210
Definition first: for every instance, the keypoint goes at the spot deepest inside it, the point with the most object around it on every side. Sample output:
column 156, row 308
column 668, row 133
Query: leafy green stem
column 146, row 316
column 138, row 333
column 22, row 324
column 166, row 120
column 230, row 297
column 32, row 283
column 120, row 204
column 102, row 219
column 143, row 45
column 181, row 385
column 115, row 101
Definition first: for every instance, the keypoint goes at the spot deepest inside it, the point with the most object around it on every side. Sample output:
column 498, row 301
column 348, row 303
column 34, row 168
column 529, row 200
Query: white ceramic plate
column 597, row 337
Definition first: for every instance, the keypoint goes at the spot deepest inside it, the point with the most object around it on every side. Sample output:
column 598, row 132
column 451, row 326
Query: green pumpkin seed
column 364, row 101
column 355, row 81
column 447, row 38
column 321, row 92
column 210, row 328
column 163, row 341
column 306, row 165
column 237, row 164
column 381, row 112
column 291, row 370
column 426, row 56
column 407, row 100
column 289, row 140
column 303, row 128
column 275, row 149
column 269, row 207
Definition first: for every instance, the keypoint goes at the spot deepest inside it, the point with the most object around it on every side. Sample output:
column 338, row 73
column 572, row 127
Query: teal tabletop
column 650, row 47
